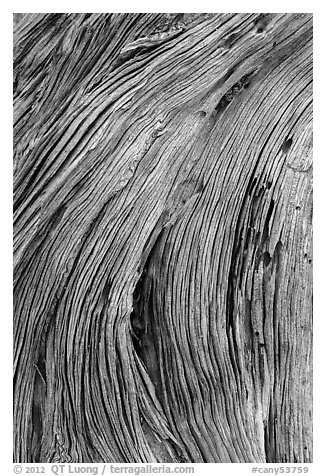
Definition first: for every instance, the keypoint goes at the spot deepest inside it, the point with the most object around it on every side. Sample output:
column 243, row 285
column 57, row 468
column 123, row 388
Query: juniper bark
column 162, row 238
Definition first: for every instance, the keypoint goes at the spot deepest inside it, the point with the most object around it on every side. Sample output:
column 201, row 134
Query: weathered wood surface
column 162, row 237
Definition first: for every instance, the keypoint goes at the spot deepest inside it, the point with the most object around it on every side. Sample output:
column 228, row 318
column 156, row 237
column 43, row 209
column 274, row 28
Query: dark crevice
column 277, row 254
column 267, row 221
column 286, row 146
column 261, row 23
column 262, row 241
column 266, row 258
column 231, row 40
column 145, row 338
column 57, row 216
column 231, row 294
column 240, row 245
column 142, row 315
column 234, row 91
column 37, row 417
column 270, row 437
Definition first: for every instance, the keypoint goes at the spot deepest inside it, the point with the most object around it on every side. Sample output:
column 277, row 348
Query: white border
column 170, row 6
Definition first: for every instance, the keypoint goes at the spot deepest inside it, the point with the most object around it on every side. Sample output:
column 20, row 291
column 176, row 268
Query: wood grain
column 162, row 238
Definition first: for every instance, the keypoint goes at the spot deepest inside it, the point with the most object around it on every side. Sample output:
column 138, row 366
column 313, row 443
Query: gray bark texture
column 162, row 238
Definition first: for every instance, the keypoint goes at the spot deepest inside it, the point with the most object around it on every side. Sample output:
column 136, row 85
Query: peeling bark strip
column 162, row 238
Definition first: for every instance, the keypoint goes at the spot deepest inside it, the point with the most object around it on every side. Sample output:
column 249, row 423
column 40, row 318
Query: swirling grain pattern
column 162, row 238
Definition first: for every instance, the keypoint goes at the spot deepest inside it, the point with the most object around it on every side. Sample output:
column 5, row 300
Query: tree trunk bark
column 162, row 238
